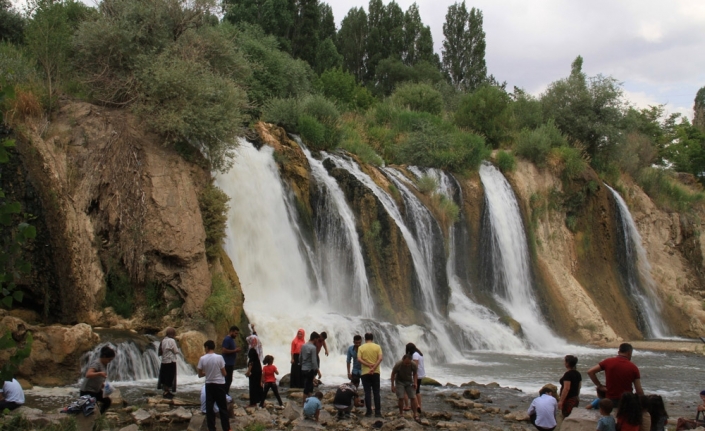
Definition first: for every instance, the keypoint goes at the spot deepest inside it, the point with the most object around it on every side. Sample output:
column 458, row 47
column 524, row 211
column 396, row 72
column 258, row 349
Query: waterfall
column 512, row 282
column 263, row 242
column 641, row 287
column 132, row 364
column 339, row 254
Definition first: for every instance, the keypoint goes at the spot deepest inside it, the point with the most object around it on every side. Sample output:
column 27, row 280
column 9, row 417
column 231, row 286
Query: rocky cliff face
column 113, row 197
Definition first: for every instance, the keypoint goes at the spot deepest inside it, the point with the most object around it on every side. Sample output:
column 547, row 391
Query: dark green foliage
column 464, row 47
column 219, row 308
column 418, row 97
column 276, row 16
column 352, row 42
column 313, row 133
column 341, row 87
column 527, row 110
column 327, row 56
column 455, row 151
column 352, row 140
column 393, row 72
column 314, row 117
column 660, row 185
column 572, row 160
column 418, row 42
column 119, row 293
column 16, row 66
column 535, row 145
column 505, row 161
column 11, row 23
column 699, row 110
column 20, row 352
column 487, row 112
column 213, row 203
column 687, row 153
column 587, row 110
column 304, row 33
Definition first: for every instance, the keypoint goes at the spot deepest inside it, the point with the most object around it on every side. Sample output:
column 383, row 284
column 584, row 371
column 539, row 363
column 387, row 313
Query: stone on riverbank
column 134, row 427
column 427, row 381
column 519, row 416
column 142, row 417
column 471, row 394
column 580, row 420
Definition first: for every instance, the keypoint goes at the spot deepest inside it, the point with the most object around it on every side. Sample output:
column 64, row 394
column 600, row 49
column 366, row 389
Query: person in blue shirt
column 313, row 406
column 352, row 358
column 229, row 353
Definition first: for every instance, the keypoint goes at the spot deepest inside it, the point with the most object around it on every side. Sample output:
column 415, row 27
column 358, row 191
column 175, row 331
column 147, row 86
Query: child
column 269, row 381
column 629, row 415
column 645, row 415
column 606, row 422
column 595, row 404
column 313, row 406
column 701, row 407
column 659, row 416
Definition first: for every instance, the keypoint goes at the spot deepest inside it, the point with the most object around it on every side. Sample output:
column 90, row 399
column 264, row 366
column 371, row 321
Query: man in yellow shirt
column 370, row 356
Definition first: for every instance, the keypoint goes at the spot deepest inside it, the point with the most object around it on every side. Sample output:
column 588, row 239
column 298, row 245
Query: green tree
column 699, row 109
column 588, row 110
column 464, row 47
column 418, row 97
column 527, row 110
column 326, row 29
column 352, row 42
column 687, row 152
column 11, row 23
column 275, row 17
column 486, row 111
column 305, row 32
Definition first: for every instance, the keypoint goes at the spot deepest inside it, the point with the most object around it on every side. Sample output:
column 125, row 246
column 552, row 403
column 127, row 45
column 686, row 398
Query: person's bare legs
column 400, row 403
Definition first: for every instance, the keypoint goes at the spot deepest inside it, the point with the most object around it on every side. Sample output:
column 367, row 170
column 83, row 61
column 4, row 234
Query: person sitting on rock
column 228, row 398
column 95, row 378
column 542, row 411
column 11, row 396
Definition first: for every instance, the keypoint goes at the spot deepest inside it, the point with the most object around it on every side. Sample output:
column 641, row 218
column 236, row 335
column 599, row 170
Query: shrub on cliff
column 213, row 203
column 535, row 145
column 314, row 117
column 418, row 97
column 487, row 112
column 220, row 307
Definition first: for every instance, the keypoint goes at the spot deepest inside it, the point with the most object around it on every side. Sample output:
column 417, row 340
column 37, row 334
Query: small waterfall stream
column 512, row 282
column 641, row 287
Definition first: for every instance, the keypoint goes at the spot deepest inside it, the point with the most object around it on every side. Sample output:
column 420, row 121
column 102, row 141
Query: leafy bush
column 284, row 112
column 313, row 133
column 505, row 161
column 119, row 293
column 418, row 97
column 213, row 203
column 314, row 117
column 486, row 111
column 535, row 145
column 527, row 110
column 353, row 141
column 571, row 160
column 16, row 67
column 666, row 192
column 427, row 184
column 220, row 307
column 341, row 87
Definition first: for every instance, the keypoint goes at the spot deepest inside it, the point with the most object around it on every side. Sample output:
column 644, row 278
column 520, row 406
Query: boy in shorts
column 404, row 376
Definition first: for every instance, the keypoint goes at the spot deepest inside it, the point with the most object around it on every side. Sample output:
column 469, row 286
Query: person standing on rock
column 309, row 364
column 95, row 378
column 169, row 351
column 620, row 374
column 254, row 372
column 295, row 378
column 229, row 352
column 417, row 358
column 404, row 379
column 212, row 367
column 542, row 411
column 352, row 358
column 370, row 356
column 254, row 342
column 570, row 386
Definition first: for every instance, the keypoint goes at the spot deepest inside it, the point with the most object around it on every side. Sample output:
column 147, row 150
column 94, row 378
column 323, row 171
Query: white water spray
column 640, row 284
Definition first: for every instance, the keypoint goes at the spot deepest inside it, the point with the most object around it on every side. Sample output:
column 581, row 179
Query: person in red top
column 620, row 374
column 297, row 380
column 269, row 379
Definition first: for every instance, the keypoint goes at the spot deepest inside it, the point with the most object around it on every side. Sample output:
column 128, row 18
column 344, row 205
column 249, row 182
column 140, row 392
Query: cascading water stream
column 339, row 252
column 132, row 364
column 512, row 284
column 640, row 285
column 263, row 243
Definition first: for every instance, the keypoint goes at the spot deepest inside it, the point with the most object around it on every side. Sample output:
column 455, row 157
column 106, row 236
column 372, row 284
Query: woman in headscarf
column 296, row 378
column 254, row 342
column 254, row 369
column 167, row 371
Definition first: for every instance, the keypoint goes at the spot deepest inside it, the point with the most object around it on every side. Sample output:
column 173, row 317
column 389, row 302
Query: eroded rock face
column 56, row 351
column 111, row 191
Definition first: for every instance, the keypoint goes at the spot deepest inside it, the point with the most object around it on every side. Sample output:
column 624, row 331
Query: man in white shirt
column 212, row 367
column 228, row 398
column 543, row 410
column 12, row 395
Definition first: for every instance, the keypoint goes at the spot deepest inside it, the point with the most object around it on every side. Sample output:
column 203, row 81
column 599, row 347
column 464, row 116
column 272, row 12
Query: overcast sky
column 655, row 47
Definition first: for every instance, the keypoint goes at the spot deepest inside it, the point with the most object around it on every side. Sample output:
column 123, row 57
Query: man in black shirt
column 345, row 397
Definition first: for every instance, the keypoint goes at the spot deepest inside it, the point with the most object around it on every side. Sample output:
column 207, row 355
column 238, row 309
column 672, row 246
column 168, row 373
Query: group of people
column 622, row 389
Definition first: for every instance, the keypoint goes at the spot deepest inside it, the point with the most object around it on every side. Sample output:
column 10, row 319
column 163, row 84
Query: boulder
column 141, row 416
column 86, row 423
column 401, row 424
column 306, row 425
column 177, row 415
column 427, row 381
column 470, row 383
column 133, row 427
column 580, row 419
column 25, row 411
column 285, row 380
column 116, row 398
column 451, row 385
column 291, row 412
column 191, row 344
column 471, row 394
column 262, row 417
column 461, row 404
column 494, row 385
column 449, row 425
column 55, row 359
column 471, row 417
column 46, row 420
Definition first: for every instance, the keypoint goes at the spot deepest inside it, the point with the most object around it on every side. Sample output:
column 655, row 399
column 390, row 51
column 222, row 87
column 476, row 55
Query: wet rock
column 461, row 404
column 470, row 383
column 177, row 415
column 238, row 412
column 446, row 416
column 492, row 385
column 325, row 418
column 134, row 427
column 455, row 396
column 471, row 417
column 86, row 423
column 448, row 425
column 580, row 419
column 191, row 344
column 116, row 398
column 451, row 385
column 291, row 412
column 401, row 424
column 296, row 395
column 24, row 411
column 328, row 397
column 262, row 416
column 471, row 394
column 141, row 417
column 285, row 380
column 427, row 381
column 307, row 425
column 519, row 416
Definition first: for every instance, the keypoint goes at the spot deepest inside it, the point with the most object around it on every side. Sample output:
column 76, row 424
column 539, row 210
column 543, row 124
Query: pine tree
column 464, row 47
column 275, row 17
column 352, row 42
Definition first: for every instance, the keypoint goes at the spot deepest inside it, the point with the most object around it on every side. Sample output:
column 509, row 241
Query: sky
column 656, row 48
